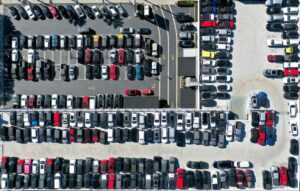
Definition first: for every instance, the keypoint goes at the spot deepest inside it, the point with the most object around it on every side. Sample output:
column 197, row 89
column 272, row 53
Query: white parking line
column 44, row 52
column 60, row 56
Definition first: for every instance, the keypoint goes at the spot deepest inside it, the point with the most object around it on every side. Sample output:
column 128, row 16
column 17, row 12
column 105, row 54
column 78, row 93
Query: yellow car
column 291, row 49
column 96, row 41
column 121, row 39
column 208, row 54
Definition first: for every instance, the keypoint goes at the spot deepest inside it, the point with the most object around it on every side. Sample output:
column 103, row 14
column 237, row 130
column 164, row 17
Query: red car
column 132, row 92
column 85, row 102
column 49, row 165
column 72, row 134
column 54, row 12
column 111, row 165
column 111, row 181
column 208, row 23
column 240, row 179
column 226, row 24
column 180, row 178
column 283, row 176
column 275, row 58
column 261, row 135
column 31, row 101
column 113, row 73
column 121, row 56
column 20, row 164
column 290, row 72
column 30, row 74
column 103, row 166
column 88, row 56
column 147, row 92
column 269, row 118
column 95, row 134
column 4, row 163
column 56, row 119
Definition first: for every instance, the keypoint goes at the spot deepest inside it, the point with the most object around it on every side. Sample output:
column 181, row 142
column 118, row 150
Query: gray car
column 156, row 182
column 164, row 166
column 206, row 138
column 172, row 164
column 126, row 119
column 254, row 100
column 238, row 131
column 119, row 181
column 222, row 140
column 156, row 135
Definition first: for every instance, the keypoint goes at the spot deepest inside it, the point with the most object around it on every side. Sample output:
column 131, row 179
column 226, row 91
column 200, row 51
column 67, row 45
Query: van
column 142, row 121
column 110, row 135
column 155, row 49
column 141, row 136
column 164, row 135
column 185, row 36
column 224, row 32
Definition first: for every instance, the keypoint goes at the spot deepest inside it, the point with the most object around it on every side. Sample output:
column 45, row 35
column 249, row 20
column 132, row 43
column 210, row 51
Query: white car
column 34, row 135
column 273, row 2
column 293, row 127
column 15, row 56
column 110, row 135
column 275, row 17
column 104, row 72
column 47, row 42
column 96, row 11
column 72, row 119
column 209, row 63
column 229, row 132
column 223, row 47
column 70, row 101
column 79, row 41
column 164, row 118
column 31, row 56
column 141, row 121
column 242, row 164
column 72, row 166
column 290, row 65
column 4, row 180
column 42, row 164
column 26, row 119
column 287, row 42
column 113, row 11
column 95, row 166
column 134, row 119
column 79, row 11
column 63, row 41
column 154, row 67
column 188, row 120
column 54, row 101
column 157, row 119
column 30, row 12
column 164, row 135
column 110, row 120
column 290, row 18
column 92, row 102
column 57, row 182
column 15, row 43
column 142, row 136
column 24, row 101
column 292, row 109
column 288, row 80
column 208, row 38
column 196, row 122
column 206, row 78
column 35, row 167
column 274, row 43
column 179, row 121
column 214, row 179
column 87, row 119
column 290, row 10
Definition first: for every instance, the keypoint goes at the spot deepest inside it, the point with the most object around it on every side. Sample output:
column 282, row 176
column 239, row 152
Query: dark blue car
column 138, row 72
column 55, row 41
column 262, row 97
column 270, row 136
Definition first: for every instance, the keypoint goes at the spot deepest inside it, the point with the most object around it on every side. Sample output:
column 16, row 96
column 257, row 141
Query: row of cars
column 283, row 17
column 56, row 101
column 216, row 29
column 180, row 120
column 78, row 11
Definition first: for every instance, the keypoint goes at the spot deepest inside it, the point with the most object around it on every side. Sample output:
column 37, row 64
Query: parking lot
column 166, row 85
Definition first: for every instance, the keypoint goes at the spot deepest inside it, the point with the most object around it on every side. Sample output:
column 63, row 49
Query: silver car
column 72, row 72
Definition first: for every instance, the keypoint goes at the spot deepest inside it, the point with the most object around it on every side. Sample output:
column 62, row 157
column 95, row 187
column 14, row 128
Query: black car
column 80, row 55
column 145, row 31
column 208, row 31
column 46, row 11
column 223, row 71
column 88, row 11
column 290, row 35
column 294, row 147
column 71, row 12
column 223, row 63
column 274, row 9
column 89, row 41
column 39, row 42
column 188, row 27
column 290, row 3
column 290, row 26
column 129, row 41
column 254, row 135
column 223, row 55
column 274, row 27
column 97, row 71
column 209, row 46
column 269, row 73
column 182, row 18
column 225, row 9
column 292, row 164
column 130, row 72
column 147, row 67
column 38, row 12
column 97, row 57
column 180, row 139
column 63, row 11
column 206, row 180
column 291, row 95
column 290, row 88
column 14, row 13
column 113, row 41
column 197, row 165
column 207, row 95
column 186, row 44
column 267, row 180
column 224, row 88
column 224, row 164
column 22, row 12
column 208, row 88
column 222, row 95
